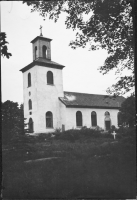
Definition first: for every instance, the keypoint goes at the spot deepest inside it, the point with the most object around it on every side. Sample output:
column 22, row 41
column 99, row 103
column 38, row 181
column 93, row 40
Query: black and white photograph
column 68, row 99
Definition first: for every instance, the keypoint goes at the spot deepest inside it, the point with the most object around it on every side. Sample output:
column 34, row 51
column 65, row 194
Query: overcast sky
column 81, row 73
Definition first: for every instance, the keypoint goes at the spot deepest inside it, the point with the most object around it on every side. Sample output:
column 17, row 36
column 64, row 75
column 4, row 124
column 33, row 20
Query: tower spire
column 40, row 30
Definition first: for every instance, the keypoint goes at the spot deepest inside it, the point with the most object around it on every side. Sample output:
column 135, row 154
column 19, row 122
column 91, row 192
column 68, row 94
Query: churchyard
column 73, row 164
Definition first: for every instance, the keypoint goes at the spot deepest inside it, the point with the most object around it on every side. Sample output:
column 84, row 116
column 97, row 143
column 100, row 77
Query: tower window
column 94, row 118
column 30, row 124
column 36, row 53
column 30, row 104
column 78, row 118
column 50, row 78
column 49, row 120
column 29, row 79
column 44, row 51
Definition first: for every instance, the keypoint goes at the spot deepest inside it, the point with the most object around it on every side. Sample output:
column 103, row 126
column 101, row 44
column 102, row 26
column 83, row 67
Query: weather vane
column 40, row 30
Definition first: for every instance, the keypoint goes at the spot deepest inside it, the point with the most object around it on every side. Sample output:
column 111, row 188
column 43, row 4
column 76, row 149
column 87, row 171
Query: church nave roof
column 83, row 100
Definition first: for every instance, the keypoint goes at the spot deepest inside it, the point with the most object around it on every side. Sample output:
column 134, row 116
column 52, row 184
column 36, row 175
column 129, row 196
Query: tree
column 109, row 26
column 21, row 120
column 12, row 120
column 128, row 112
column 3, row 46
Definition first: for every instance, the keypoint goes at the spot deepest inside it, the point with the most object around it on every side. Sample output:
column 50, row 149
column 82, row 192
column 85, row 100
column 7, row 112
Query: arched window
column 50, row 78
column 36, row 53
column 49, row 120
column 29, row 79
column 94, row 118
column 30, row 125
column 44, row 51
column 119, row 119
column 107, row 114
column 78, row 118
column 30, row 104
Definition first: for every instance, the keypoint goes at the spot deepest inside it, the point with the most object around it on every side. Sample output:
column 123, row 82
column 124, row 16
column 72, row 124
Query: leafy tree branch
column 108, row 25
column 3, row 46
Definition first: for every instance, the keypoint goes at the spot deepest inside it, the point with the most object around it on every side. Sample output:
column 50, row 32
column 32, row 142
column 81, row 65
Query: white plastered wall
column 86, row 117
column 44, row 97
column 33, row 91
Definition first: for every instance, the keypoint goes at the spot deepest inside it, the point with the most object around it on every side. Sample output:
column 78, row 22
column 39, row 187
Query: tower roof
column 44, row 63
column 41, row 38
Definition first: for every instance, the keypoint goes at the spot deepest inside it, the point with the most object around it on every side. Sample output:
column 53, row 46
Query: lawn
column 83, row 166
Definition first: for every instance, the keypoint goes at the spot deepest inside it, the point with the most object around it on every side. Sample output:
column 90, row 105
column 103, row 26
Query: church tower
column 41, row 48
column 42, row 87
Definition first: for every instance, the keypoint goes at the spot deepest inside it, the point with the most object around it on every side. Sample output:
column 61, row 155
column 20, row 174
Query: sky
column 81, row 73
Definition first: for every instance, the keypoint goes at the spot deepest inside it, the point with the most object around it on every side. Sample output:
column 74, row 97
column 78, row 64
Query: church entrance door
column 107, row 123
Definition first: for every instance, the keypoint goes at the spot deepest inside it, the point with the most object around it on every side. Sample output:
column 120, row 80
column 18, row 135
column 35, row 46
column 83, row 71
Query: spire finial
column 40, row 30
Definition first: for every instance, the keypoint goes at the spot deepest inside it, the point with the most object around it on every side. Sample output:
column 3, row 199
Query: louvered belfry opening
column 36, row 52
column 44, row 51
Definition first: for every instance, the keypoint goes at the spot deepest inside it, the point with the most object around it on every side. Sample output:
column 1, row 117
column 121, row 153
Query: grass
column 89, row 166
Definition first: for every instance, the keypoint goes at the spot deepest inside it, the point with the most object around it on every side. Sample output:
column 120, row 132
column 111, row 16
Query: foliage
column 85, row 133
column 97, row 128
column 127, row 131
column 12, row 120
column 113, row 128
column 127, row 111
column 57, row 130
column 127, row 135
column 3, row 46
column 104, row 24
column 90, row 169
column 43, row 136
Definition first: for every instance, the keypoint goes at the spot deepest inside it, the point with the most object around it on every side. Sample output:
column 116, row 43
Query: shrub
column 127, row 133
column 113, row 128
column 58, row 130
column 97, row 128
column 84, row 127
column 84, row 133
column 43, row 136
column 126, row 130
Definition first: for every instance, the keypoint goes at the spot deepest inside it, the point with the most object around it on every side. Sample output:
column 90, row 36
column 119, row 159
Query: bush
column 97, row 128
column 127, row 133
column 9, row 135
column 43, row 136
column 58, row 130
column 74, row 134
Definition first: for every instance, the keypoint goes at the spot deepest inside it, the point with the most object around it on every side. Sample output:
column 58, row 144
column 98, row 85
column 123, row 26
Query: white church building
column 47, row 107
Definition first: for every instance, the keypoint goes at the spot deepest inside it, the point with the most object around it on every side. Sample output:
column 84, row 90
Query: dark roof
column 43, row 62
column 82, row 100
column 41, row 38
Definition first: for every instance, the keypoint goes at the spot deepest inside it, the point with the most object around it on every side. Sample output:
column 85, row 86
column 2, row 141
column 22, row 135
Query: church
column 48, row 108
